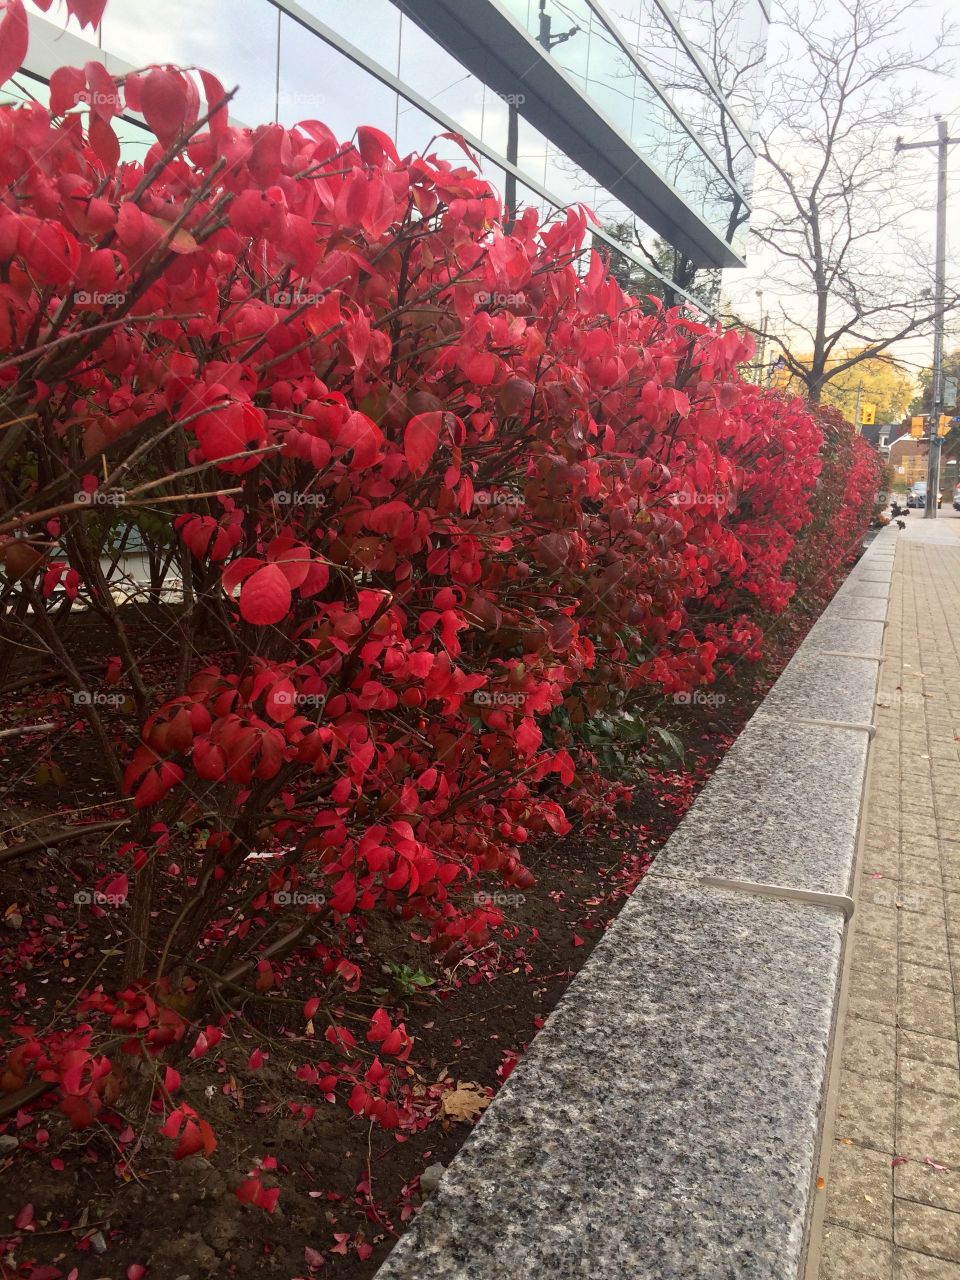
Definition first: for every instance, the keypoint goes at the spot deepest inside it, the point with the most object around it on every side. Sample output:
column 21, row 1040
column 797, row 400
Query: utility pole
column 943, row 141
column 762, row 344
column 856, row 416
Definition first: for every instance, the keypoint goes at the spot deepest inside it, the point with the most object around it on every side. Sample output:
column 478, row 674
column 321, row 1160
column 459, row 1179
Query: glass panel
column 440, row 79
column 235, row 39
column 730, row 38
column 592, row 53
column 313, row 85
column 372, row 25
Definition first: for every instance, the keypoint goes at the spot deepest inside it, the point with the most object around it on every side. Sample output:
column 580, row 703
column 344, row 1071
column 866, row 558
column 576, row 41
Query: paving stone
column 920, row 1266
column 921, row 871
column 860, row 1190
column 924, row 1009
column 925, row 975
column 921, row 933
column 928, row 1124
column 875, row 979
column 880, row 922
column 917, row 1180
column 865, row 1110
column 927, row 1048
column 926, row 1230
column 929, row 1075
column 848, row 1255
column 869, row 1048
column 935, row 954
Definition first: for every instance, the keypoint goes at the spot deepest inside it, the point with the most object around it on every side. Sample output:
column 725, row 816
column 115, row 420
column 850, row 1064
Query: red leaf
column 421, row 438
column 163, row 99
column 24, row 1218
column 66, row 86
column 14, row 39
column 375, row 146
column 214, row 93
column 87, row 12
column 265, row 598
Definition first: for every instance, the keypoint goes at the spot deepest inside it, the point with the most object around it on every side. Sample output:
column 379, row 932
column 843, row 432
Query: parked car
column 956, row 501
column 917, row 497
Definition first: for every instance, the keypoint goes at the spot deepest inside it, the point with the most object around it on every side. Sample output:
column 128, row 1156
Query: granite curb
column 666, row 1121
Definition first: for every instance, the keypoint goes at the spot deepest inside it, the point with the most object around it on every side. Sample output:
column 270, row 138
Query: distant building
column 908, row 461
column 879, row 434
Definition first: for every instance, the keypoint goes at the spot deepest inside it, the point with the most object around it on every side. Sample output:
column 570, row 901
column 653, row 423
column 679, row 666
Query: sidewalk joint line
column 786, row 893
column 869, row 729
column 843, row 653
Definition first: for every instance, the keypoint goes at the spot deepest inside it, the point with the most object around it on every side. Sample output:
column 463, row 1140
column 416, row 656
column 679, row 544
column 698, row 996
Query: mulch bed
column 346, row 1189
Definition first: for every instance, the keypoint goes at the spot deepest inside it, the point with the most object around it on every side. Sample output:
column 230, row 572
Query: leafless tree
column 836, row 208
column 712, row 76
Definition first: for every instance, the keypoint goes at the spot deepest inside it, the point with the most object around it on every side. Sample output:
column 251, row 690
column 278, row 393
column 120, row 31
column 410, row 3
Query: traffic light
column 868, row 415
column 916, row 427
column 944, row 425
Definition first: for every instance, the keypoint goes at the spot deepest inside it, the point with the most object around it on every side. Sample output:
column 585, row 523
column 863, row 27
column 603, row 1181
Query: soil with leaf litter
column 70, row 1208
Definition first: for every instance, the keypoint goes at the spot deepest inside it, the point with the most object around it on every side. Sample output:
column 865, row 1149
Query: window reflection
column 235, row 39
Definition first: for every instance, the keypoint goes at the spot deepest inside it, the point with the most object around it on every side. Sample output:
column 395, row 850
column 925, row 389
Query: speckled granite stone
column 663, row 1125
column 782, row 808
column 858, row 587
column 845, row 635
column 816, row 686
column 858, row 607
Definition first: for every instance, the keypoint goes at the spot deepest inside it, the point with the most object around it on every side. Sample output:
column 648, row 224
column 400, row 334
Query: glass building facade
column 641, row 111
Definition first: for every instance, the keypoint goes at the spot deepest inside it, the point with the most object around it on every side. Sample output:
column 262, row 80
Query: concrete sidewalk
column 892, row 1143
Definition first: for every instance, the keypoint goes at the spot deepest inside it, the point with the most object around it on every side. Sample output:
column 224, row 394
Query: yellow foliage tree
column 886, row 384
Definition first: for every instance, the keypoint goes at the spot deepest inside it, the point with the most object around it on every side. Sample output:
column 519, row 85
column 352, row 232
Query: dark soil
column 346, row 1189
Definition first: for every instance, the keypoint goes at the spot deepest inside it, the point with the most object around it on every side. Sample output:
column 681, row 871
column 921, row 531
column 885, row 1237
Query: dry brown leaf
column 466, row 1101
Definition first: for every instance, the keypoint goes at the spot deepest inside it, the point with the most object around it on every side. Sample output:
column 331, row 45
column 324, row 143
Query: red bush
column 436, row 494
